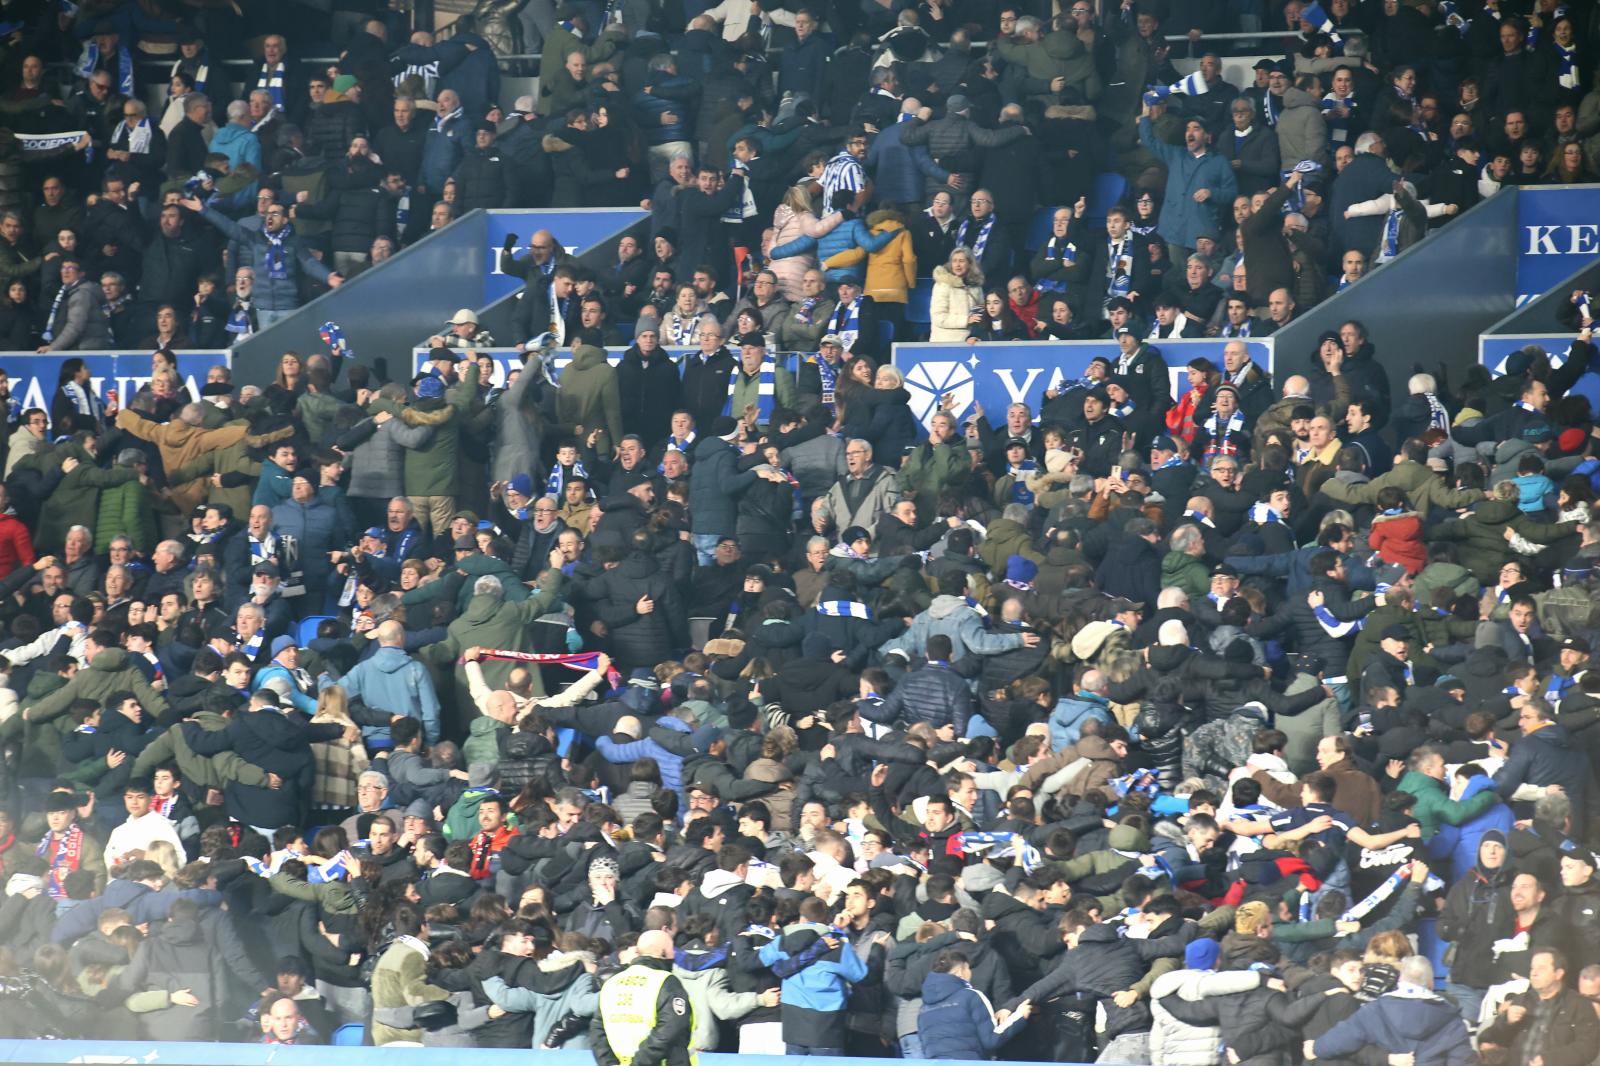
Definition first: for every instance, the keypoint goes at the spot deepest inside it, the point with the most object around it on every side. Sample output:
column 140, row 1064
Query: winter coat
column 640, row 639
column 179, row 955
column 1567, row 1037
column 933, row 694
column 1398, row 539
column 577, row 994
column 649, row 390
column 442, row 149
column 1182, row 219
column 815, row 986
column 1434, row 807
column 1546, row 756
column 391, row 681
column 892, row 270
column 1177, row 1043
column 431, row 462
column 847, row 236
column 76, row 496
column 270, row 293
column 714, row 489
column 704, row 977
column 79, row 324
column 952, row 616
column 494, row 622
column 1302, row 131
column 872, row 503
column 359, row 215
column 589, row 395
column 790, row 226
column 931, row 470
column 1406, row 1020
column 319, row 528
column 957, row 1021
column 378, row 462
column 953, row 300
column 110, row 671
column 279, row 743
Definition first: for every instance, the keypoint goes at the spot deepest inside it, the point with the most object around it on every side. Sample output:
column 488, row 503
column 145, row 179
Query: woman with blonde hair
column 164, row 855
column 794, row 219
column 957, row 297
column 339, row 762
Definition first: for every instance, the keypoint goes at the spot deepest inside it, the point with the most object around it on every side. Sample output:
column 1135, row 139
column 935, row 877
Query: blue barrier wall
column 1558, row 233
column 1430, row 304
column 165, row 1053
column 386, row 310
column 34, row 376
column 998, row 375
column 578, row 229
column 1495, row 349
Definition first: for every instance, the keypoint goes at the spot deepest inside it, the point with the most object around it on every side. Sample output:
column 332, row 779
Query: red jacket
column 1398, row 539
column 16, row 547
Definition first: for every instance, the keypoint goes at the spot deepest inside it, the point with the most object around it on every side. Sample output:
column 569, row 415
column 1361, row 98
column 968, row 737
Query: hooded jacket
column 957, row 1021
column 391, row 681
column 816, row 982
column 1178, row 1043
column 1408, row 1019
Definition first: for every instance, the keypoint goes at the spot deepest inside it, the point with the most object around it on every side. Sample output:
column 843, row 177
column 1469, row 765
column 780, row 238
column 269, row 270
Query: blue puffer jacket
column 956, row 1021
column 1460, row 843
column 668, row 92
column 843, row 237
column 670, row 763
column 816, row 983
column 1066, row 720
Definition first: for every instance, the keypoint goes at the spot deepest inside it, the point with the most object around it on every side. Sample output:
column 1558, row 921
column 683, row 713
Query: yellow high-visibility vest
column 628, row 1008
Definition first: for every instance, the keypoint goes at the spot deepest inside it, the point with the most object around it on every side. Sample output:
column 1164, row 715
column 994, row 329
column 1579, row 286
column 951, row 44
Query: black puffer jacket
column 331, row 128
column 1105, row 963
column 639, row 639
column 1310, row 638
column 358, row 209
column 1193, row 670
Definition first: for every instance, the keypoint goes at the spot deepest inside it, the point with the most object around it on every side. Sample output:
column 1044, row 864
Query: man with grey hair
column 234, row 139
column 862, row 497
column 1413, row 1020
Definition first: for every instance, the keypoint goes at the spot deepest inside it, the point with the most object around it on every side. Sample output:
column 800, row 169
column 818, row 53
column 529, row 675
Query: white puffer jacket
column 1174, row 1043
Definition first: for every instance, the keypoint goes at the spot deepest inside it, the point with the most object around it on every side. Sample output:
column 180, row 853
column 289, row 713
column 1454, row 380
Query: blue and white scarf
column 55, row 307
column 1453, row 17
column 1119, row 268
column 1438, row 417
column 402, row 212
column 89, row 59
column 252, row 647
column 975, row 606
column 1123, row 409
column 844, row 609
column 828, row 376
column 138, row 135
column 270, row 78
column 987, row 227
column 242, row 319
column 277, row 254
column 1567, row 58
column 1231, row 330
column 1057, row 250
column 846, row 322
column 1296, row 200
column 1005, row 846
column 1273, row 107
column 1338, row 128
column 1263, row 514
column 681, row 330
column 681, row 444
column 1020, row 493
column 1219, row 442
column 1391, row 235
column 558, row 479
column 1331, row 625
column 766, row 390
column 202, row 69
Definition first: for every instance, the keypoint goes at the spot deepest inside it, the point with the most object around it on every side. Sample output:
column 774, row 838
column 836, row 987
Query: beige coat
column 952, row 303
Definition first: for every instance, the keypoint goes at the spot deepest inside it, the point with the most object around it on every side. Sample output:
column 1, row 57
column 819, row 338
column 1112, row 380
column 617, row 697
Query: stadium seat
column 1107, row 193
column 305, row 631
column 919, row 301
column 1039, row 228
column 351, row 1034
column 885, row 335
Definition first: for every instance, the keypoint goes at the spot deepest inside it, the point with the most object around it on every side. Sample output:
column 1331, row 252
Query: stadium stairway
column 385, row 310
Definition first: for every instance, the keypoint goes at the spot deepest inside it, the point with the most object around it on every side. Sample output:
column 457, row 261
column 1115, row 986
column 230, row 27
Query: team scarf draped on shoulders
column 63, row 856
column 89, row 59
column 982, row 233
column 766, row 390
column 558, row 479
column 846, row 322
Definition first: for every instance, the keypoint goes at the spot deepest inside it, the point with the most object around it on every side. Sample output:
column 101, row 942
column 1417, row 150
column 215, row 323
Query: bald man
column 644, row 1016
column 391, row 684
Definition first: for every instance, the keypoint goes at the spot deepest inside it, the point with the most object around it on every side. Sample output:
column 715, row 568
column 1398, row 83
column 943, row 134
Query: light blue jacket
column 392, row 681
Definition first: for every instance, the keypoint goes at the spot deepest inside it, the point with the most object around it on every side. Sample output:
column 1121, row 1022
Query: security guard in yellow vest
column 644, row 1017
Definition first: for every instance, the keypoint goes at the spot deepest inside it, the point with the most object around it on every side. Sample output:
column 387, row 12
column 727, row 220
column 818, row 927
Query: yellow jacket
column 892, row 271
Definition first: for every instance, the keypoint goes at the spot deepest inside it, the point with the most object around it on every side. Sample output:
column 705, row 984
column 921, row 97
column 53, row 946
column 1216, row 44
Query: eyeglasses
column 544, row 510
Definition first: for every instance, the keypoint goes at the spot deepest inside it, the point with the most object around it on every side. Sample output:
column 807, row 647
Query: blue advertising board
column 1494, row 350
column 34, row 377
column 998, row 375
column 508, row 359
column 576, row 229
column 1558, row 234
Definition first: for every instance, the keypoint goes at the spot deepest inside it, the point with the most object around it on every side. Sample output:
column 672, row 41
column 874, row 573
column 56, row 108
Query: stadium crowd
column 699, row 704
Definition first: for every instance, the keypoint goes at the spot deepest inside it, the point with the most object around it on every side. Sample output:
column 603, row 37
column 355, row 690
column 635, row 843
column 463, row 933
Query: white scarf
column 138, row 135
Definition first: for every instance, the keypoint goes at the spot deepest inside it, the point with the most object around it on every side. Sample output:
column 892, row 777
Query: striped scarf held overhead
column 766, row 390
column 582, row 662
column 89, row 59
column 844, row 609
column 1000, row 845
